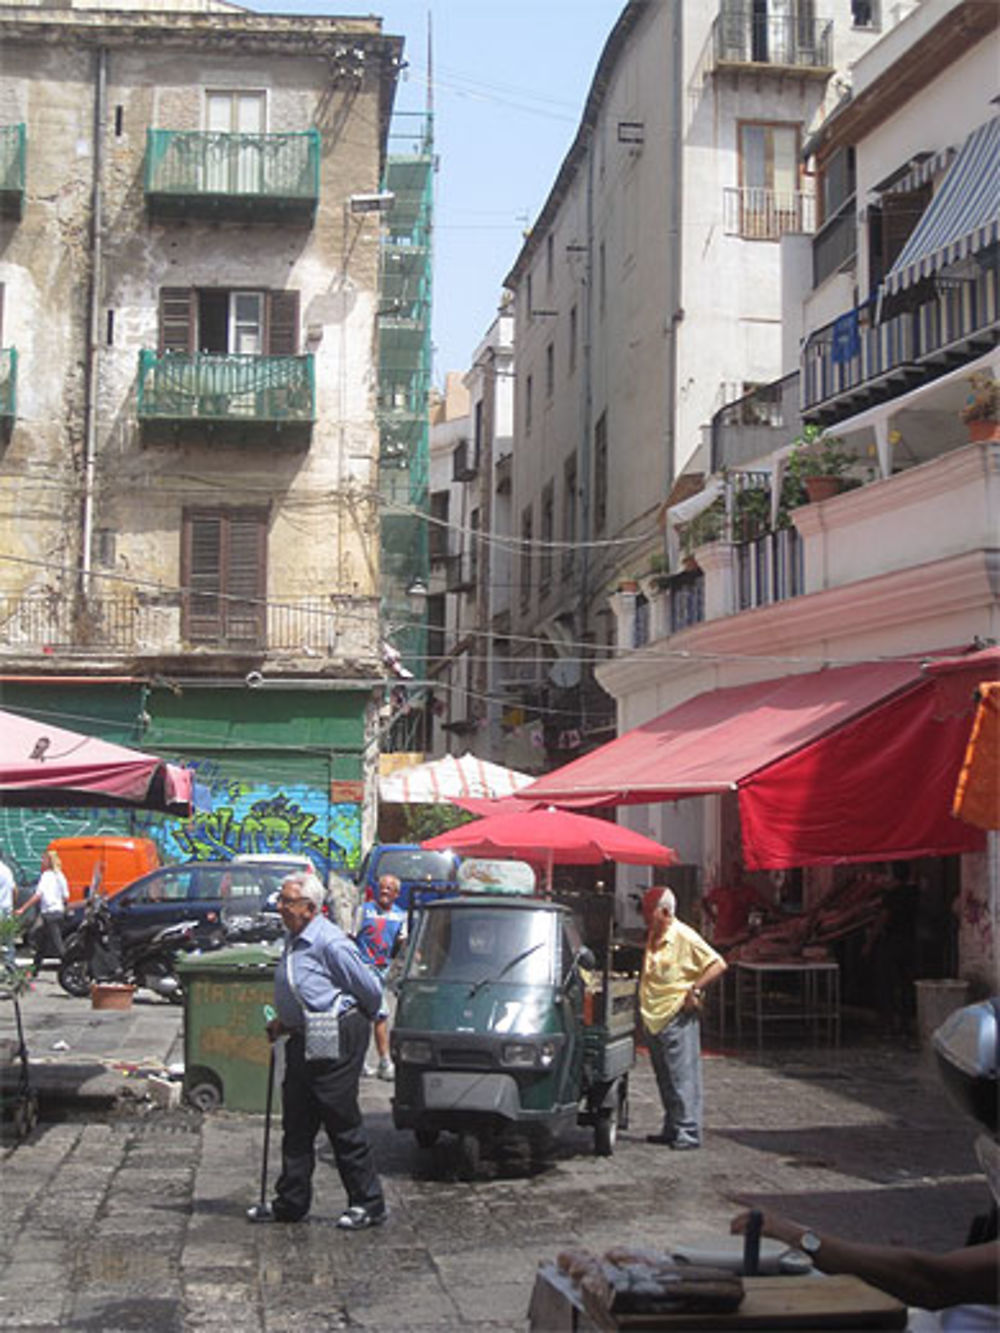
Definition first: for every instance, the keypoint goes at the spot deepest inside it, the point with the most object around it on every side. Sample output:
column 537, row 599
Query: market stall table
column 814, row 1003
column 838, row 1302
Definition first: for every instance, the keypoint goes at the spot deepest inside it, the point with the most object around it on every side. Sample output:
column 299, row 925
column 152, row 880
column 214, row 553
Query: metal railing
column 189, row 164
column 227, row 387
column 760, row 214
column 744, row 37
column 8, row 383
column 687, row 600
column 858, row 351
column 151, row 623
column 769, row 568
column 756, row 424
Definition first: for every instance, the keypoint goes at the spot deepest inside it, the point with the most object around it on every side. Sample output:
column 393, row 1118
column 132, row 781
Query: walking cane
column 262, row 1211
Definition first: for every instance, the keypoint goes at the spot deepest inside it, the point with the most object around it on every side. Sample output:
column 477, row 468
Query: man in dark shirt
column 321, row 969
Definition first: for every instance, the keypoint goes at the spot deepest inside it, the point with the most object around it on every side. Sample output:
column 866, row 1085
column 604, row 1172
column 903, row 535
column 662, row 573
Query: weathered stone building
column 188, row 476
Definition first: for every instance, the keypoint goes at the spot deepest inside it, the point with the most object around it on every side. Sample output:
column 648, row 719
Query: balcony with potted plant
column 819, row 464
column 981, row 409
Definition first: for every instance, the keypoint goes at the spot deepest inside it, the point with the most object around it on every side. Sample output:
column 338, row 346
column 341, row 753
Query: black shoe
column 684, row 1145
column 666, row 1140
column 357, row 1218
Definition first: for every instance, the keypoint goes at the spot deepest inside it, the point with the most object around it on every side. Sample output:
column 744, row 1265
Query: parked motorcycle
column 99, row 952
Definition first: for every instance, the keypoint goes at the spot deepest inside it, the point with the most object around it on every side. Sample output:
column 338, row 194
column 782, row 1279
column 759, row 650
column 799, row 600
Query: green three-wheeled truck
column 509, row 1029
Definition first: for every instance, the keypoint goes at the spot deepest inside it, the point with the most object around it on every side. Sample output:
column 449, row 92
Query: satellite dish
column 565, row 672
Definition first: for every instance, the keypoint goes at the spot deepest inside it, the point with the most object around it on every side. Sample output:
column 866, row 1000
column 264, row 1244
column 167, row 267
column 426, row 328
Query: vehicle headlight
column 546, row 1054
column 415, row 1052
column 520, row 1054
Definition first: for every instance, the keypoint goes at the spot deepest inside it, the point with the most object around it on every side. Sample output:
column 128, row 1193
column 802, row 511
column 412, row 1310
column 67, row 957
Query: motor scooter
column 98, row 951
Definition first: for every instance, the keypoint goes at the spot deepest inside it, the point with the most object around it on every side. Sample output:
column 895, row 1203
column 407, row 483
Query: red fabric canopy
column 559, row 836
column 877, row 789
column 845, row 764
column 717, row 740
column 43, row 765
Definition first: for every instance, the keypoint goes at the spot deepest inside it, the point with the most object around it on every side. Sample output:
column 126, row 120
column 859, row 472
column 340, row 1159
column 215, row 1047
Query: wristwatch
column 809, row 1242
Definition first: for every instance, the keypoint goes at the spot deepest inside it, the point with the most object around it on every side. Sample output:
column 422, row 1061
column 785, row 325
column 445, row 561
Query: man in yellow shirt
column 677, row 966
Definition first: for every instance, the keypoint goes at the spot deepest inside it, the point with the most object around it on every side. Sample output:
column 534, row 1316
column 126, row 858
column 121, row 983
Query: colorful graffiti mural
column 244, row 817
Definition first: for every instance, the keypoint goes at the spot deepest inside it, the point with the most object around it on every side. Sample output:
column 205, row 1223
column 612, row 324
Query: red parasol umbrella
column 553, row 837
column 43, row 765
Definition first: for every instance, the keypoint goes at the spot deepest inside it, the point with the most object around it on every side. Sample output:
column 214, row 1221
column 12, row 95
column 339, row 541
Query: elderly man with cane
column 325, row 999
column 677, row 966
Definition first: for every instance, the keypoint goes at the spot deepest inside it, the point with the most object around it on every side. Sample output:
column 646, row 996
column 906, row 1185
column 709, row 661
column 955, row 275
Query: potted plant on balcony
column 820, row 462
column 708, row 526
column 982, row 407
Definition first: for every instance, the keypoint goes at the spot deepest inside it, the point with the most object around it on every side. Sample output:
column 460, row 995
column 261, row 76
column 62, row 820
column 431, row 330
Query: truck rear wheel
column 606, row 1130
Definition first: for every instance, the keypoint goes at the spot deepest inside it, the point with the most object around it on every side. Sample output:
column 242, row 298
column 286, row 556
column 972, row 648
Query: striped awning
column 962, row 218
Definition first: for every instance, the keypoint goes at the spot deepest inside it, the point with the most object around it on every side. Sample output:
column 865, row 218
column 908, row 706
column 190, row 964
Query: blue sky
column 510, row 81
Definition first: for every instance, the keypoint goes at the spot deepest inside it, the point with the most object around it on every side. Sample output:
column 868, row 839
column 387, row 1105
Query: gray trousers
column 676, row 1055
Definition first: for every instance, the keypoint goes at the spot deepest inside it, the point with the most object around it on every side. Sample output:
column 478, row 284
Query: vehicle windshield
column 482, row 945
column 430, row 867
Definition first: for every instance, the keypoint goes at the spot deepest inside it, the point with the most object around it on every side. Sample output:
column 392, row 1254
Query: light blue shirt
column 326, row 965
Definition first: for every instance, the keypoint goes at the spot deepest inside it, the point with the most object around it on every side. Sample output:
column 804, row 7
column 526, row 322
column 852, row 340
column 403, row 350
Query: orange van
column 104, row 859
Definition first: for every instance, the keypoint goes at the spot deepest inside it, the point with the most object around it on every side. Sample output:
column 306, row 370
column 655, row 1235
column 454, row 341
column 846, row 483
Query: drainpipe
column 583, row 473
column 674, row 311
column 93, row 320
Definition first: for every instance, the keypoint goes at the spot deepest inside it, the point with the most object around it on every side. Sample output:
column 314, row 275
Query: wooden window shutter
column 225, row 576
column 177, row 320
column 246, row 578
column 202, row 576
column 282, row 323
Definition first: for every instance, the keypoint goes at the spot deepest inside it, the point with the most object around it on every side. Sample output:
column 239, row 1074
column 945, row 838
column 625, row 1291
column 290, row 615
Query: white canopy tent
column 441, row 780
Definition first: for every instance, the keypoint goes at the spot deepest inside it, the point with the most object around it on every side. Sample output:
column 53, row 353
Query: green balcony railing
column 8, row 384
column 261, row 176
column 226, row 388
column 13, row 153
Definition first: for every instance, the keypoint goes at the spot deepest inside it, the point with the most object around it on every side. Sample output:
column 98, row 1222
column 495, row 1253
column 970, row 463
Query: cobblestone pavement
column 120, row 1216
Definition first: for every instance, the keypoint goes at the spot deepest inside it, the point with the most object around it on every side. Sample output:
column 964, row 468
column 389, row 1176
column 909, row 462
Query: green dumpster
column 226, row 1051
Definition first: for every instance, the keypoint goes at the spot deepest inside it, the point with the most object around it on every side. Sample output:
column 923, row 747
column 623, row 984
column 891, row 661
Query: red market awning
column 46, row 766
column 845, row 764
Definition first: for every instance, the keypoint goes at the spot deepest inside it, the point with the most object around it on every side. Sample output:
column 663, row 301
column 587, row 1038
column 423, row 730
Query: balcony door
column 234, row 165
column 769, row 181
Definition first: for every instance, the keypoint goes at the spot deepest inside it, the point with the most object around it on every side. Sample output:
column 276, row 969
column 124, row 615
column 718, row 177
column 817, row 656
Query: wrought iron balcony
column 255, row 177
column 13, row 151
column 797, row 41
column 151, row 624
column 278, row 391
column 8, row 386
column 759, row 214
column 859, row 360
column 756, row 424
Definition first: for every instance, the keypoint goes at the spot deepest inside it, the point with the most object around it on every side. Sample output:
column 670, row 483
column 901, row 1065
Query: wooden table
column 777, row 1303
column 817, row 986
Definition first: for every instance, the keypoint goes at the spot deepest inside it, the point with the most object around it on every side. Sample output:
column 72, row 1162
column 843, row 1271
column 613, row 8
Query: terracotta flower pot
column 983, row 429
column 822, row 488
